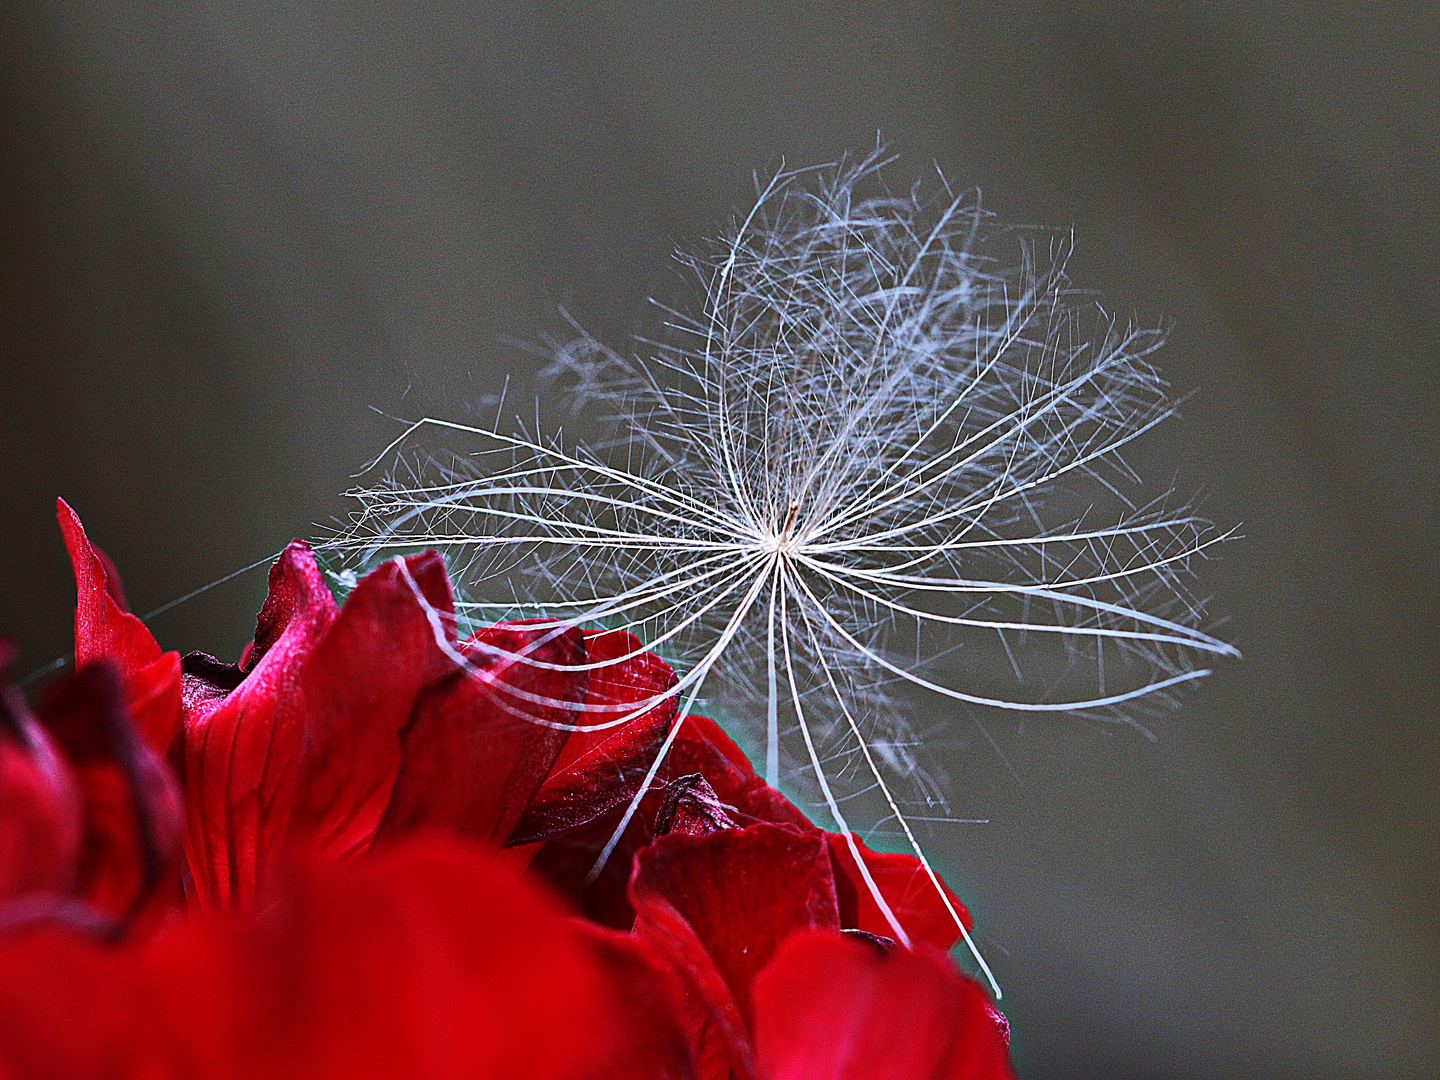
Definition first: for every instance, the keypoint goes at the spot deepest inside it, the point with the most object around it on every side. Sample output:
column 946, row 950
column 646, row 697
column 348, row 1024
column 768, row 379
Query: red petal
column 906, row 887
column 425, row 960
column 70, row 1010
column 846, row 1011
column 422, row 960
column 704, row 748
column 298, row 606
column 617, row 688
column 601, row 781
column 131, row 802
column 357, row 691
column 242, row 749
column 104, row 630
column 475, row 751
column 711, row 1016
column 740, row 891
column 40, row 826
column 577, row 810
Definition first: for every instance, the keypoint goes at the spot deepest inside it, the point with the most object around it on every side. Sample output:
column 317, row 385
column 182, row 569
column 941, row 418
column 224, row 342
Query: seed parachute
column 890, row 440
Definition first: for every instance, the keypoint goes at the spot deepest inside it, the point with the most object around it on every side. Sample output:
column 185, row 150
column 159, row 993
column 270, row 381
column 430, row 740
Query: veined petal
column 242, row 746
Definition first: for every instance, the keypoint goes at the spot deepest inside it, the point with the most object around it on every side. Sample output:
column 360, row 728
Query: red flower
column 430, row 959
column 345, row 730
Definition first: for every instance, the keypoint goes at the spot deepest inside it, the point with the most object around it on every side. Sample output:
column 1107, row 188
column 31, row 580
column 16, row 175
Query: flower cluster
column 348, row 855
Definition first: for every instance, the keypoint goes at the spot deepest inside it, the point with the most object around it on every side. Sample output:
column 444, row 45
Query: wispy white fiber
column 885, row 451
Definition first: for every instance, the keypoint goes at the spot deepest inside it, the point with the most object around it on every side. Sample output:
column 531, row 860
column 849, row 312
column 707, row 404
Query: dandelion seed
column 864, row 459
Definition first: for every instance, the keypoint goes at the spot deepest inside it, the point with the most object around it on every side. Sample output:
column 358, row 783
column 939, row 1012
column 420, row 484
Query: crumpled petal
column 104, row 630
column 691, row 807
column 704, row 748
column 242, row 746
column 843, row 1010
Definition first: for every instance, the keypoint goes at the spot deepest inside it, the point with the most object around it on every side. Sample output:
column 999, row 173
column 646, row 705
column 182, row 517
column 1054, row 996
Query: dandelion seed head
column 885, row 454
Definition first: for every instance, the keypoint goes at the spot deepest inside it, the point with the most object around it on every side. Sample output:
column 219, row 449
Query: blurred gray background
column 230, row 229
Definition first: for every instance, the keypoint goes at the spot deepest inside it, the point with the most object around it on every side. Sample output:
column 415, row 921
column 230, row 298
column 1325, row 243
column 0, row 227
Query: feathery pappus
column 889, row 437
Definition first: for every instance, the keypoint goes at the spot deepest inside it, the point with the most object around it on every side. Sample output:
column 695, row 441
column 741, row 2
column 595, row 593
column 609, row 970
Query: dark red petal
column 131, row 802
column 599, row 782
column 741, row 891
column 912, row 896
column 828, row 1007
column 617, row 688
column 153, row 698
column 104, row 630
column 358, row 689
column 710, row 1014
column 702, row 747
column 40, row 809
column 242, row 745
column 578, row 809
column 477, row 747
